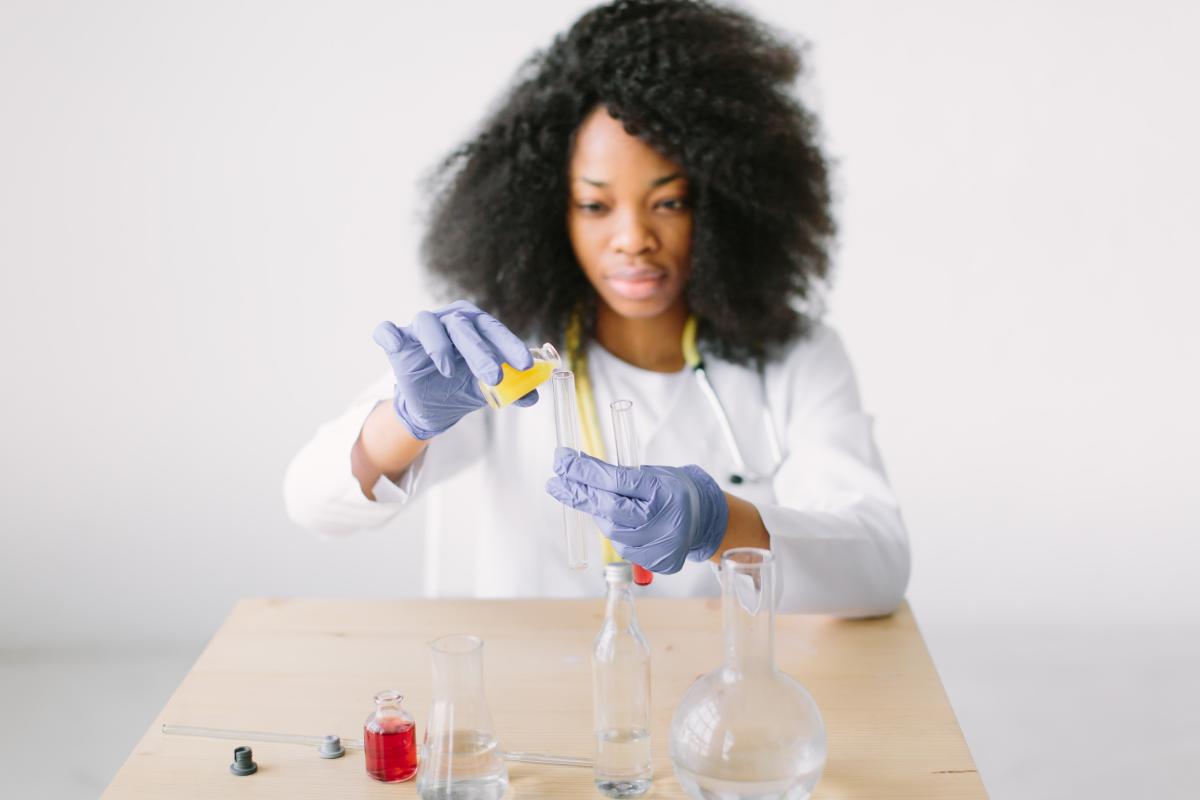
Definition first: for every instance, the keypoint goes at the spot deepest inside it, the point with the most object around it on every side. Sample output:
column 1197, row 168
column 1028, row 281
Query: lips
column 636, row 283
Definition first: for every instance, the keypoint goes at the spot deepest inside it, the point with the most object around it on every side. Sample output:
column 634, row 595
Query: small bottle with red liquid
column 390, row 740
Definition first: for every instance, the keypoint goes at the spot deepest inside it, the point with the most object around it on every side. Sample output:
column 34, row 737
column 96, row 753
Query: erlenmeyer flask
column 747, row 730
column 459, row 757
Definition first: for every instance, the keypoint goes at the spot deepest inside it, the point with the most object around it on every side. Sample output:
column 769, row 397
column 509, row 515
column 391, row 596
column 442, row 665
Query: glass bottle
column 390, row 740
column 515, row 384
column 459, row 756
column 747, row 730
column 621, row 693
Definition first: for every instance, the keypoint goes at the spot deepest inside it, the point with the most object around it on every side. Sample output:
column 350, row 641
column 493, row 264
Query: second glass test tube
column 562, row 382
column 625, row 437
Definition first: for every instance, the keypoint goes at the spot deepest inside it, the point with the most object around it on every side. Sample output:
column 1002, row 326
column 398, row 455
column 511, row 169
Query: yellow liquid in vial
column 515, row 384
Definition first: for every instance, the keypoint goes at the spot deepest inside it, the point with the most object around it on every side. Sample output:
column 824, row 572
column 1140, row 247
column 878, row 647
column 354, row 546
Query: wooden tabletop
column 311, row 666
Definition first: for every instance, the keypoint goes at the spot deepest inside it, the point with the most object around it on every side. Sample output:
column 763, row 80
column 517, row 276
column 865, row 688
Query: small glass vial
column 515, row 384
column 390, row 740
column 621, row 693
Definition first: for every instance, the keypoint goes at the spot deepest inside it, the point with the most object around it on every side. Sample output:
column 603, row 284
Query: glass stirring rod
column 352, row 744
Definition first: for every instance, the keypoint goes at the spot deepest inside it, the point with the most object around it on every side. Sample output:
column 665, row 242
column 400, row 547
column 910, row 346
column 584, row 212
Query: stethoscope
column 593, row 442
column 741, row 473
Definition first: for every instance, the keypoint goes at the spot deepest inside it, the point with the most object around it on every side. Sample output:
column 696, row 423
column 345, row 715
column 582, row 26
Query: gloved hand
column 438, row 360
column 655, row 516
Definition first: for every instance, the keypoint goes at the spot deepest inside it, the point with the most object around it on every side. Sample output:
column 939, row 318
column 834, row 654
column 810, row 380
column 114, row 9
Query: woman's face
column 629, row 219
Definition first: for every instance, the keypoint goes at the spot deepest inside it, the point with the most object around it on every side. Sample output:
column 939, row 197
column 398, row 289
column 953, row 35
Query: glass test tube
column 562, row 381
column 627, row 456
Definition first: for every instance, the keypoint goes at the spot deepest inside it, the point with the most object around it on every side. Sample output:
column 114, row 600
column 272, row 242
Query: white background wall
column 205, row 208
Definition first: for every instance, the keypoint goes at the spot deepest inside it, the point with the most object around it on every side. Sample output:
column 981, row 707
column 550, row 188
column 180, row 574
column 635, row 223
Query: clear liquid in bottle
column 621, row 693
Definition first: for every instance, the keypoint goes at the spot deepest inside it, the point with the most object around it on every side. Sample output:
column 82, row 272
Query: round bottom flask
column 747, row 731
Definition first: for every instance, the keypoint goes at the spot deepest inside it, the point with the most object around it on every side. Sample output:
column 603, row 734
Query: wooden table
column 312, row 667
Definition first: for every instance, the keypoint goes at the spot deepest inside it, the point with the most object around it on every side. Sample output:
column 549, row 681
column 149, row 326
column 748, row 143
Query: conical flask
column 747, row 730
column 459, row 757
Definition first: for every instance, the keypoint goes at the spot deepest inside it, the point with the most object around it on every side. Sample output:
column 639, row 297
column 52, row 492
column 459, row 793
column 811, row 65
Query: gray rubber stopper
column 331, row 747
column 243, row 761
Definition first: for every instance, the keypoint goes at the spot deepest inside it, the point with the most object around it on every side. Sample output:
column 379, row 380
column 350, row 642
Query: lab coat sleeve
column 321, row 493
column 835, row 528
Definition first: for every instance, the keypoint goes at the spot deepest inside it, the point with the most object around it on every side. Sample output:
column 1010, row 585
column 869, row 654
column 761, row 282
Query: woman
column 651, row 195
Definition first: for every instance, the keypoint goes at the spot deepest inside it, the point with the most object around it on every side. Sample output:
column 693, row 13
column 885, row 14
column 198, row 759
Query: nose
column 633, row 236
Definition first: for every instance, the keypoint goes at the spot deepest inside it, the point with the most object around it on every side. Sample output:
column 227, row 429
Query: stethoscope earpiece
column 735, row 479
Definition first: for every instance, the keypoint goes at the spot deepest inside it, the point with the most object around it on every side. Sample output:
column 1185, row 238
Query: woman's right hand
column 439, row 360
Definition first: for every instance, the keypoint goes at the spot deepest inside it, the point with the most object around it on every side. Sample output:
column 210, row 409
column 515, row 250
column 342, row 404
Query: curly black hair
column 706, row 86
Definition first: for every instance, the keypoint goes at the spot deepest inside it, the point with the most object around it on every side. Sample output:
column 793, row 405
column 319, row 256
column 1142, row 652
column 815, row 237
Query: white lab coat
column 492, row 531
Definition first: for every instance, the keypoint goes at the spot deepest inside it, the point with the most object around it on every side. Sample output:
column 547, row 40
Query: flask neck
column 458, row 668
column 748, row 611
column 458, row 707
column 456, row 674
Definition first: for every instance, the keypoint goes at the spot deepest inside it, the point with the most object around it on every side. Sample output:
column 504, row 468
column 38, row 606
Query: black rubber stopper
column 243, row 761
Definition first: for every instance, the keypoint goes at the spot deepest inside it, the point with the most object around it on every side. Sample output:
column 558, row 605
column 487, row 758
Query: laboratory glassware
column 515, row 384
column 460, row 759
column 625, row 436
column 747, row 730
column 621, row 693
column 562, row 382
column 390, row 739
column 331, row 746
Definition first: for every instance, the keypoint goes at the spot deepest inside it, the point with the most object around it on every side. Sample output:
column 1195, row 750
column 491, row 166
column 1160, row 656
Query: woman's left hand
column 655, row 516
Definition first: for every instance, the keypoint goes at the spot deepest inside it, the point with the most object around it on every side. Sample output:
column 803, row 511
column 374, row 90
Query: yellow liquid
column 516, row 384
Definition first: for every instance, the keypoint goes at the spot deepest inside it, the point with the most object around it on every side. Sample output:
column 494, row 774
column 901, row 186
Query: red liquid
column 642, row 576
column 391, row 754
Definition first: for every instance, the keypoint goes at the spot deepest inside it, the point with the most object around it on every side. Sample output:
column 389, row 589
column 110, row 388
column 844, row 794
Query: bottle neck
column 618, row 606
column 388, row 704
column 748, row 610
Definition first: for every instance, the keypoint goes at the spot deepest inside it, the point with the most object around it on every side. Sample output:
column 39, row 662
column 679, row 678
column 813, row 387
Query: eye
column 673, row 204
column 591, row 207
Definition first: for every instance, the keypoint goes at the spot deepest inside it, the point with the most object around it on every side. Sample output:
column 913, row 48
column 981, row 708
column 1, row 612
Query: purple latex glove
column 655, row 516
column 438, row 360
